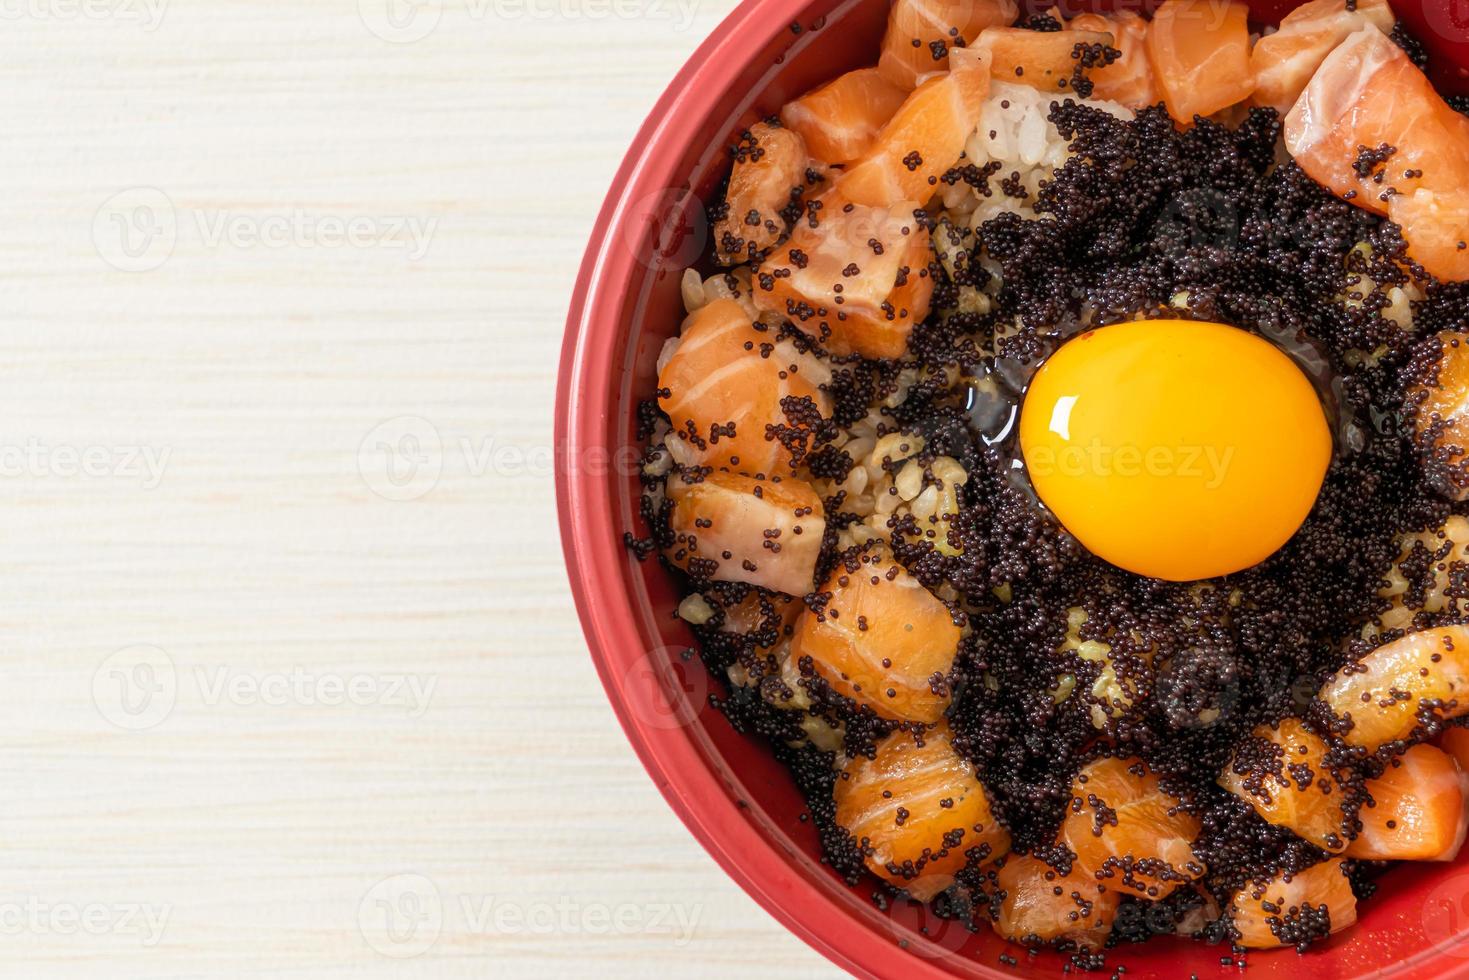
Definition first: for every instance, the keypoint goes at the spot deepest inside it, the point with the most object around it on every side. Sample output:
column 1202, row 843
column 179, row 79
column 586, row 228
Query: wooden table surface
column 293, row 680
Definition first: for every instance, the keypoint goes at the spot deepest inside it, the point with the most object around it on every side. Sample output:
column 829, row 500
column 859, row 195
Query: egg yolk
column 1175, row 449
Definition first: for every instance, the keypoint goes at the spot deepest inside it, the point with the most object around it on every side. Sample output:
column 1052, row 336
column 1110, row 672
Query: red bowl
column 736, row 800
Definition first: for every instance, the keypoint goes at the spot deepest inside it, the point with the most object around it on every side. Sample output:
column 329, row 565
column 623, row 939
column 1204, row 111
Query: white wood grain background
column 267, row 270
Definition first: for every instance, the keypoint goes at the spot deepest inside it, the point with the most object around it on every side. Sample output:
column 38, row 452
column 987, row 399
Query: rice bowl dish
column 1044, row 691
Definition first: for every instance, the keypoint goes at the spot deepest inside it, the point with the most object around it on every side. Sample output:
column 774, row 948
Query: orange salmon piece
column 1200, row 52
column 882, row 640
column 1289, row 784
column 722, row 389
column 924, row 139
column 1417, row 812
column 1044, row 60
column 1267, row 914
column 840, row 120
column 1127, row 834
column 1041, row 906
column 857, row 280
column 1368, row 94
column 1442, row 424
column 917, row 811
column 769, row 174
column 1381, row 693
column 921, row 34
column 1284, row 62
column 1435, row 225
column 733, row 528
column 763, row 617
column 1128, row 80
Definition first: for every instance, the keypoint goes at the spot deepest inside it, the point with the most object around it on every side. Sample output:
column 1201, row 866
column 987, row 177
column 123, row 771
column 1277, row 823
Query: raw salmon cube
column 1282, row 772
column 1040, row 906
column 1417, row 811
column 841, row 120
column 918, row 812
column 1296, row 909
column 856, row 278
column 1200, row 52
column 725, row 389
column 1381, row 696
column 735, row 528
column 883, row 640
column 922, row 33
column 1127, row 834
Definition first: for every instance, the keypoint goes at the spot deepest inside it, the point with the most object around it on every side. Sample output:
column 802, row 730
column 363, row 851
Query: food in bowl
column 1063, row 458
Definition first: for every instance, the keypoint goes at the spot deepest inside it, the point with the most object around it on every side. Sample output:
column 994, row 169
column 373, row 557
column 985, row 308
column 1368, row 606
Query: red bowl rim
column 594, row 557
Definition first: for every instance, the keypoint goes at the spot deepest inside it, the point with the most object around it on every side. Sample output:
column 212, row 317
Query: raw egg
column 1179, row 450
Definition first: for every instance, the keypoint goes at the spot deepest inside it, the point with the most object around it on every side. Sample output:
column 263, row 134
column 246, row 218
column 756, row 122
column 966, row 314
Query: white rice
column 735, row 284
column 1015, row 132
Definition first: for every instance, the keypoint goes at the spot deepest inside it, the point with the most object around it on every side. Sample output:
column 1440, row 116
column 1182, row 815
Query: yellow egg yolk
column 1175, row 449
